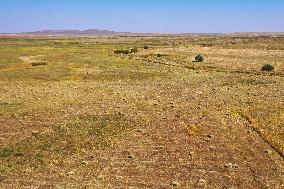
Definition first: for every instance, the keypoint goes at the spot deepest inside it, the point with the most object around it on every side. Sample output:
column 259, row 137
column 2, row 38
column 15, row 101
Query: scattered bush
column 121, row 52
column 267, row 68
column 146, row 47
column 159, row 55
column 39, row 63
column 134, row 50
column 199, row 58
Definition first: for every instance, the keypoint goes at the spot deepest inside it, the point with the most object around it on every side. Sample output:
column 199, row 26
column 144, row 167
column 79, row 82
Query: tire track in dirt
column 256, row 130
column 212, row 69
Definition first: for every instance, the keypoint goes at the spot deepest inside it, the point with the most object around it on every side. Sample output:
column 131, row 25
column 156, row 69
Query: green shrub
column 267, row 68
column 121, row 52
column 199, row 58
column 146, row 47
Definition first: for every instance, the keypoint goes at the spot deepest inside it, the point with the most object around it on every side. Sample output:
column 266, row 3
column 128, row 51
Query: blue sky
column 176, row 16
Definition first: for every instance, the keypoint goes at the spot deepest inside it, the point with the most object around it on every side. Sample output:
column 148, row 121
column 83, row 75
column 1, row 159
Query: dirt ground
column 73, row 114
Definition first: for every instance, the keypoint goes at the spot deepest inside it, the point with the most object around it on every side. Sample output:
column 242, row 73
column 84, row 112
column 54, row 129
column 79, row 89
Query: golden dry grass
column 90, row 118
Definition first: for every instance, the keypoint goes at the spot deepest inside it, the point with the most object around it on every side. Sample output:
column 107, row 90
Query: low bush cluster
column 39, row 63
column 121, row 52
column 267, row 68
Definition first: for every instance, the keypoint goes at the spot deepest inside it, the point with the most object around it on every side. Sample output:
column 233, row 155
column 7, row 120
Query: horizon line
column 129, row 32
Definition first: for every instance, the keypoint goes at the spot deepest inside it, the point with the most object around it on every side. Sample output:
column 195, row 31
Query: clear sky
column 176, row 16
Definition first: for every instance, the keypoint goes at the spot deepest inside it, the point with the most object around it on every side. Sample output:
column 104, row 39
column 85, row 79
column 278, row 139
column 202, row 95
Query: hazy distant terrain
column 94, row 32
column 73, row 32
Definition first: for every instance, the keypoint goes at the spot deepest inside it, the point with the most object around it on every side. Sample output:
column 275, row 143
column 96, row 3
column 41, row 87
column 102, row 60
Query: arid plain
column 74, row 114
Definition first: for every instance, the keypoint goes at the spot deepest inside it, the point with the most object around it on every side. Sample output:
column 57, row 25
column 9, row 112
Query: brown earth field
column 74, row 114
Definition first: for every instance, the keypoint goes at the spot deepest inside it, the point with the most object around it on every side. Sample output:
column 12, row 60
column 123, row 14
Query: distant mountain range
column 93, row 32
column 89, row 32
column 72, row 32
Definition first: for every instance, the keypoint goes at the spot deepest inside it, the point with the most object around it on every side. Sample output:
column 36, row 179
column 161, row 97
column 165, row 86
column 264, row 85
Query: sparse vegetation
column 267, row 68
column 83, row 132
column 134, row 50
column 39, row 63
column 199, row 58
column 146, row 47
column 94, row 112
column 121, row 51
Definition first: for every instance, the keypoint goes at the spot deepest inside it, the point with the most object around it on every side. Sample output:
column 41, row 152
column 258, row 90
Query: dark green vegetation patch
column 267, row 68
column 199, row 58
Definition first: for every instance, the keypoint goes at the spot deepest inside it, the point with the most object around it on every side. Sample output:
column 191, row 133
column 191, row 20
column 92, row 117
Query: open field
column 73, row 114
